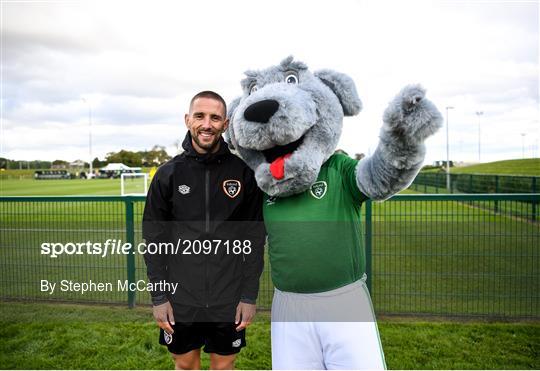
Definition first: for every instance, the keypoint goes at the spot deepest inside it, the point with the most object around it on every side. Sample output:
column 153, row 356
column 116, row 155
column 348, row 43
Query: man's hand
column 244, row 314
column 163, row 314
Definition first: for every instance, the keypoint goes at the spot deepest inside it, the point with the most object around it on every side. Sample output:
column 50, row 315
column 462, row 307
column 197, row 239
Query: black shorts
column 203, row 331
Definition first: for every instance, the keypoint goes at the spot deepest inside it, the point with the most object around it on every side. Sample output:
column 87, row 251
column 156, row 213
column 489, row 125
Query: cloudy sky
column 135, row 65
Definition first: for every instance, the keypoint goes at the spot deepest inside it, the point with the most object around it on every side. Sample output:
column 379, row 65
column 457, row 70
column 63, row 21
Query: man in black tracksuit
column 205, row 204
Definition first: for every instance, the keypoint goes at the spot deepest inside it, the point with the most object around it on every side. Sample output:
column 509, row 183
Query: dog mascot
column 286, row 126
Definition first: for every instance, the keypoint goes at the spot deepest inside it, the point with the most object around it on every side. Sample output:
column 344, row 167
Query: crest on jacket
column 232, row 188
column 318, row 189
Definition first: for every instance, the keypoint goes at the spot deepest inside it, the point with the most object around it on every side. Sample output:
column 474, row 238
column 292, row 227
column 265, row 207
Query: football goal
column 133, row 184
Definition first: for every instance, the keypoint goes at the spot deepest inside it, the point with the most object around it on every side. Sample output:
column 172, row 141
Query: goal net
column 133, row 184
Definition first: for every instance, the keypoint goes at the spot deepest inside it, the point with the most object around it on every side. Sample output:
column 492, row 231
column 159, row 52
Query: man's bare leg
column 188, row 361
column 219, row 362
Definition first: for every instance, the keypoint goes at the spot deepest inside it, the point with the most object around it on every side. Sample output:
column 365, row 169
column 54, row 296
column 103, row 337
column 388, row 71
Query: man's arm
column 156, row 216
column 157, row 213
column 254, row 231
column 253, row 225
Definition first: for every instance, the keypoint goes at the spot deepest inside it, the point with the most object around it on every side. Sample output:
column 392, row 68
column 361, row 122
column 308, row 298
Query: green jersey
column 314, row 237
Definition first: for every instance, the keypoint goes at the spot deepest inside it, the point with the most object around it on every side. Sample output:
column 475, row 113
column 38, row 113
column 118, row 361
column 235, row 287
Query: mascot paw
column 411, row 116
column 412, row 95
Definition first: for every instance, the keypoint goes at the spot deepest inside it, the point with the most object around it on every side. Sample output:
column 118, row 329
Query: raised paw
column 411, row 96
column 411, row 116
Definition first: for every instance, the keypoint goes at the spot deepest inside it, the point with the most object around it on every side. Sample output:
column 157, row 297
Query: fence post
column 534, row 201
column 496, row 191
column 130, row 238
column 368, row 241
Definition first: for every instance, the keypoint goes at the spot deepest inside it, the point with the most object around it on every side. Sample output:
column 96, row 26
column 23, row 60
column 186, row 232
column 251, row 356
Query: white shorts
column 331, row 330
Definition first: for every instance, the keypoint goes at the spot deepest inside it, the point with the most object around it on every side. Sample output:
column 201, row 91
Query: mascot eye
column 291, row 79
column 253, row 89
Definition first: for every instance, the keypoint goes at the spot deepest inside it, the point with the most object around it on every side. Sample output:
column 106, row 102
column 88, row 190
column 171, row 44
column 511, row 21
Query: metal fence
column 455, row 255
column 448, row 255
column 475, row 183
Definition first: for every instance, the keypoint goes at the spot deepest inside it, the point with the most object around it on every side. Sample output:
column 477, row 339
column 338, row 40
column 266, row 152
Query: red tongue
column 277, row 167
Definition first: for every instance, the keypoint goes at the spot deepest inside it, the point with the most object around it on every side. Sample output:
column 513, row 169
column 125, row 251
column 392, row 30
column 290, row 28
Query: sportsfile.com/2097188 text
column 117, row 247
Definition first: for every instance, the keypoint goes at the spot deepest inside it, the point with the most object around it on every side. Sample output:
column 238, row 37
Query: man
column 206, row 204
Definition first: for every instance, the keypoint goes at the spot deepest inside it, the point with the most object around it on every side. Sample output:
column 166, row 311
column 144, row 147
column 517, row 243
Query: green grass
column 65, row 187
column 529, row 166
column 16, row 174
column 469, row 345
column 67, row 336
column 59, row 187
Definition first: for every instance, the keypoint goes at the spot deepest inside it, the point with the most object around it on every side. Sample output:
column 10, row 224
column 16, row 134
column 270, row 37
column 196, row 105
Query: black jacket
column 205, row 200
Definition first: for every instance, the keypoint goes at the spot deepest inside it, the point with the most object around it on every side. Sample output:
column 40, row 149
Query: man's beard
column 209, row 147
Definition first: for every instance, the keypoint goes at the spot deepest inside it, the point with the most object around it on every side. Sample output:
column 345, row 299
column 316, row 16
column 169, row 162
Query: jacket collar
column 207, row 157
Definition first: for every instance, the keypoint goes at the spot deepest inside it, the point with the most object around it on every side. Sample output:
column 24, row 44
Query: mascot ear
column 344, row 88
column 228, row 135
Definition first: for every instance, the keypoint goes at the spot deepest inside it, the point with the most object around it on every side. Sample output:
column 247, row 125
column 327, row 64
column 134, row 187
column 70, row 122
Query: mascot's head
column 288, row 122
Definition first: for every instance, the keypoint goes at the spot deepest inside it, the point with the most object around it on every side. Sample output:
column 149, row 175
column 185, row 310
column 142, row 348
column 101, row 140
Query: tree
column 96, row 163
column 128, row 158
column 60, row 164
column 155, row 157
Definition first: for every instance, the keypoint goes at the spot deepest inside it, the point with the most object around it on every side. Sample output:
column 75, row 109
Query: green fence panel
column 436, row 254
column 456, row 255
column 474, row 183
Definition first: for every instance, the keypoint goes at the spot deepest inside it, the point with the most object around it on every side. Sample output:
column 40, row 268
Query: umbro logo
column 184, row 189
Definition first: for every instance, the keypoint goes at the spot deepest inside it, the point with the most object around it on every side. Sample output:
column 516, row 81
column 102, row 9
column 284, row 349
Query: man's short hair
column 212, row 95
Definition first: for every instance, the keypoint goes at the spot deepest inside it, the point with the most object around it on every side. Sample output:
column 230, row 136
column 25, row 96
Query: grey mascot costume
column 286, row 126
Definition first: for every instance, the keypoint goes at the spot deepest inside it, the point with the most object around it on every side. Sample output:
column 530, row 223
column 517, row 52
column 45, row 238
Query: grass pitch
column 67, row 336
column 527, row 167
column 56, row 187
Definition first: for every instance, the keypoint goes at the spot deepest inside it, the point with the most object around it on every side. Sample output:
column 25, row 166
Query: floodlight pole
column 479, row 113
column 447, row 152
column 89, row 135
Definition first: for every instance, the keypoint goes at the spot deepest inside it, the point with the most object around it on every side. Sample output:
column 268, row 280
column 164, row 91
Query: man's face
column 206, row 122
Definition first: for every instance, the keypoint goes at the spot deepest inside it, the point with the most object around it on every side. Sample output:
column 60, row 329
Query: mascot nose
column 261, row 111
